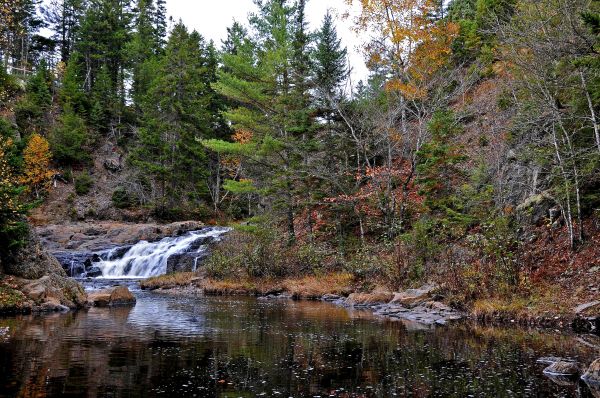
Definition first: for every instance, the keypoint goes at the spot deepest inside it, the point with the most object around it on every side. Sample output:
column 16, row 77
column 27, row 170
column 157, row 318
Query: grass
column 169, row 281
column 307, row 287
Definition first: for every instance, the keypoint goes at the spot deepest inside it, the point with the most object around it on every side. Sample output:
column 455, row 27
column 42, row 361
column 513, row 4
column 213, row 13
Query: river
column 246, row 347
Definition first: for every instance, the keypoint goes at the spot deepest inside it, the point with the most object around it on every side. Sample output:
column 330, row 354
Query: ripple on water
column 218, row 346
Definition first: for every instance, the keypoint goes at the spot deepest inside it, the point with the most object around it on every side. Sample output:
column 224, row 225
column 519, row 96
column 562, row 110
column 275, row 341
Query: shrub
column 83, row 184
column 121, row 199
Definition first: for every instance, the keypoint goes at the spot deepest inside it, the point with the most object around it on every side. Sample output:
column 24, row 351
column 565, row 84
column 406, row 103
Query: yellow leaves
column 37, row 175
column 409, row 90
column 407, row 41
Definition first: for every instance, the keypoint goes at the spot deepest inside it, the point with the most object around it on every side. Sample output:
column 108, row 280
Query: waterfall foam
column 147, row 259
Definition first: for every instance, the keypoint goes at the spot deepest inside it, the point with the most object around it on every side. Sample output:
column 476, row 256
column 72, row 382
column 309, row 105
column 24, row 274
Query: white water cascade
column 147, row 259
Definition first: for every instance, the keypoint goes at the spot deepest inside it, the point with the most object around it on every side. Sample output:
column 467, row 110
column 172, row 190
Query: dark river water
column 242, row 347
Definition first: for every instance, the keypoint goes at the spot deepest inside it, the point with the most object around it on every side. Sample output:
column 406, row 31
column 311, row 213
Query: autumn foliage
column 37, row 174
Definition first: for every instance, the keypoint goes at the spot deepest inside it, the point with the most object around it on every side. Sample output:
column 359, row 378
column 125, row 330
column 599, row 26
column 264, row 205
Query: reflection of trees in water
column 216, row 345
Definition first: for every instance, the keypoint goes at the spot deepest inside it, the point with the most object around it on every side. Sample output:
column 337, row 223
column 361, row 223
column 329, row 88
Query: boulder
column 33, row 261
column 563, row 368
column 536, row 208
column 413, row 297
column 583, row 307
column 592, row 375
column 185, row 262
column 93, row 272
column 115, row 296
column 53, row 289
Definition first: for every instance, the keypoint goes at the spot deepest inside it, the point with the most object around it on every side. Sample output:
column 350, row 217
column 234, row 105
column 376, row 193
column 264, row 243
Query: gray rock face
column 102, row 235
column 535, row 208
column 185, row 262
column 33, row 261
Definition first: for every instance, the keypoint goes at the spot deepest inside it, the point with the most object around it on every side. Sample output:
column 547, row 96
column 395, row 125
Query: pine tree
column 142, row 51
column 260, row 80
column 31, row 110
column 329, row 62
column 175, row 118
column 13, row 227
column 69, row 138
column 63, row 18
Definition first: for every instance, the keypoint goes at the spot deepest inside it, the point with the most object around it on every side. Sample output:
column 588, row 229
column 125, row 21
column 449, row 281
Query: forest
column 469, row 157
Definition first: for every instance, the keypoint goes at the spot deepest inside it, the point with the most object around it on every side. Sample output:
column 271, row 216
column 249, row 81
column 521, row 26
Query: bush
column 259, row 252
column 83, row 184
column 121, row 199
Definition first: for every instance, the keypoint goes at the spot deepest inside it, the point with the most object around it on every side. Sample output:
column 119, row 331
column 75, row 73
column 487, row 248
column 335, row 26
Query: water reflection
column 235, row 347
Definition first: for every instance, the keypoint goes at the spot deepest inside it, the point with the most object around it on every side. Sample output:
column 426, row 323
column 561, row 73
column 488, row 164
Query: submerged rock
column 115, row 296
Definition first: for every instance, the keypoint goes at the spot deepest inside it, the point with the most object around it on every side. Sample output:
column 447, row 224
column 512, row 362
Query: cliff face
column 33, row 280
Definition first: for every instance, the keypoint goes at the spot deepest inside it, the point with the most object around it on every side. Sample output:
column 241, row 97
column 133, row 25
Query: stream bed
column 246, row 347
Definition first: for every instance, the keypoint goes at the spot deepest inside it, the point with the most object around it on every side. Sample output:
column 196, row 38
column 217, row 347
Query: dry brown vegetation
column 308, row 287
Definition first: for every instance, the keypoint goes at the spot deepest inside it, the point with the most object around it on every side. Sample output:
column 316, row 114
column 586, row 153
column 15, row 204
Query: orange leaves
column 407, row 40
column 242, row 136
column 37, row 174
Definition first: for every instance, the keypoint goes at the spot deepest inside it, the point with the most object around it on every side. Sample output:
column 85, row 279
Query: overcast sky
column 212, row 17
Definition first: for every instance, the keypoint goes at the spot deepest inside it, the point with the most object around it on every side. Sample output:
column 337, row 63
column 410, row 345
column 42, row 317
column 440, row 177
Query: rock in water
column 413, row 297
column 563, row 368
column 115, row 296
column 592, row 375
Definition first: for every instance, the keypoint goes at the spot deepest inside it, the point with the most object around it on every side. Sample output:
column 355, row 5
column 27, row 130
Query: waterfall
column 147, row 259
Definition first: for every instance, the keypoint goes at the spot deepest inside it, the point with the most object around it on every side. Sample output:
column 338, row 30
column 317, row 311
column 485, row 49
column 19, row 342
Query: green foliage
column 439, row 174
column 33, row 107
column 181, row 111
column 69, row 139
column 83, row 184
column 13, row 225
column 121, row 199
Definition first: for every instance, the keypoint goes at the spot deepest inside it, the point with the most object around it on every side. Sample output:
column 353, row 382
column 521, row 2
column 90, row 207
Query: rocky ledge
column 420, row 305
column 102, row 235
column 34, row 281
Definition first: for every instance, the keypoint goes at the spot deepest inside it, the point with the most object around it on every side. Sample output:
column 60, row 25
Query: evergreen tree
column 70, row 138
column 31, row 110
column 142, row 51
column 160, row 23
column 175, row 118
column 63, row 18
column 329, row 62
column 268, row 84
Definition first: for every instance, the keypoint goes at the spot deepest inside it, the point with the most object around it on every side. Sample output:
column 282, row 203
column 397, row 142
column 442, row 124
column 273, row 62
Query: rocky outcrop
column 413, row 305
column 103, row 235
column 413, row 297
column 112, row 297
column 33, row 261
column 563, row 368
column 536, row 208
column 35, row 281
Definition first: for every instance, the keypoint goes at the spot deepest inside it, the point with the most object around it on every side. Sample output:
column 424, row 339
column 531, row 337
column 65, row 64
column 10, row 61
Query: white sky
column 211, row 18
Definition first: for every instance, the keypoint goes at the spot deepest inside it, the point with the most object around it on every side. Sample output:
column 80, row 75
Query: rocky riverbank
column 420, row 305
column 33, row 280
